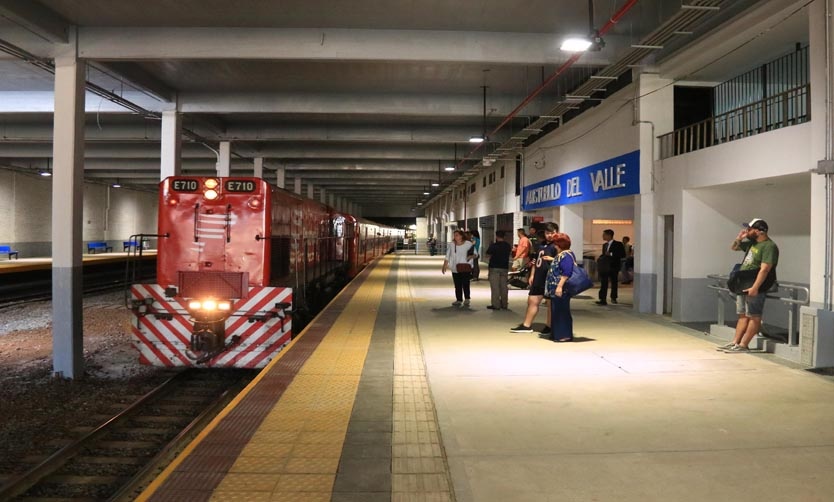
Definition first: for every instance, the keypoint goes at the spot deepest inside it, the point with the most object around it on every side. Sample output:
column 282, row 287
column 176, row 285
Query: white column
column 67, row 213
column 331, row 200
column 280, row 177
column 648, row 297
column 297, row 187
column 656, row 116
column 819, row 110
column 310, row 191
column 259, row 167
column 171, row 144
column 322, row 196
column 572, row 222
column 224, row 162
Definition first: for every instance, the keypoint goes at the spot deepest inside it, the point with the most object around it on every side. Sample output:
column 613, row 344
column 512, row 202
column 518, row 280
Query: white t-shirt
column 456, row 253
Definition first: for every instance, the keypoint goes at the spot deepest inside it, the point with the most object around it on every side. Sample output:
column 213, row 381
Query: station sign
column 615, row 177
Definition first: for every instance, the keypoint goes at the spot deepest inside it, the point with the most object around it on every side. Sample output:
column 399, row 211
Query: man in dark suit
column 608, row 266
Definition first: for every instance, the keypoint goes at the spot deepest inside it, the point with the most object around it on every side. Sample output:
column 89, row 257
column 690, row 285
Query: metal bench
column 93, row 247
column 128, row 245
column 8, row 250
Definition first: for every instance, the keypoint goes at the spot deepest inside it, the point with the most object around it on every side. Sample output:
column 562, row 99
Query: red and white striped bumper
column 162, row 329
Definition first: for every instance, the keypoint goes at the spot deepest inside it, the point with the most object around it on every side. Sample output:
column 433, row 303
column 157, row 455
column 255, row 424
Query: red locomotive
column 237, row 259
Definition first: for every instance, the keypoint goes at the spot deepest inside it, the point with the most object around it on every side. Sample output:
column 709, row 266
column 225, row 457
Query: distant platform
column 44, row 263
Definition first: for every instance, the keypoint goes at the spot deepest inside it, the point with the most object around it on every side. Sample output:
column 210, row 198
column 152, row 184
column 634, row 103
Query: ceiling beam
column 37, row 19
column 314, row 44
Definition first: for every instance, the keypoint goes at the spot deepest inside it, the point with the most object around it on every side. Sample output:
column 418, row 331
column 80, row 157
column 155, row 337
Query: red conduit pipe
column 567, row 64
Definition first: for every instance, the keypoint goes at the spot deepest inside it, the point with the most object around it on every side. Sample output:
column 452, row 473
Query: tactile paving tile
column 418, row 465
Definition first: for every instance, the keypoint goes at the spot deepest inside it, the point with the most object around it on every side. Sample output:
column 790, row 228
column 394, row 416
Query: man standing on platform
column 498, row 254
column 761, row 253
column 608, row 266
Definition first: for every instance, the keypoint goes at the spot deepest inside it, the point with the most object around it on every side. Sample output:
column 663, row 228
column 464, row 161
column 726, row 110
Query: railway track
column 116, row 459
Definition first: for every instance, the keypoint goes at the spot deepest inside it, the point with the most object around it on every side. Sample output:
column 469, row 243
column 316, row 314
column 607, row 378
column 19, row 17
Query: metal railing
column 792, row 301
column 788, row 108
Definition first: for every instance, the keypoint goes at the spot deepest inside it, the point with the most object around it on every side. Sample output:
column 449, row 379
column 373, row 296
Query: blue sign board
column 613, row 178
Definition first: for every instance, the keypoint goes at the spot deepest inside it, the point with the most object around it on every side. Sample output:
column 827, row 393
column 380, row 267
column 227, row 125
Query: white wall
column 27, row 215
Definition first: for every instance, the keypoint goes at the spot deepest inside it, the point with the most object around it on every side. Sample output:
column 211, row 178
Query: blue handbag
column 578, row 281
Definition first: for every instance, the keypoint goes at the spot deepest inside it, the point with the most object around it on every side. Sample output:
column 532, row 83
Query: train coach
column 238, row 260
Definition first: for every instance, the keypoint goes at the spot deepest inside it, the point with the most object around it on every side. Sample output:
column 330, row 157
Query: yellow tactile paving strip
column 294, row 454
column 418, row 464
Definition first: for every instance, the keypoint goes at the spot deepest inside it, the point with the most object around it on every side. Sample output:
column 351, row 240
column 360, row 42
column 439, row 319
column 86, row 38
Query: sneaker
column 546, row 330
column 726, row 346
column 601, row 302
column 490, row 307
column 614, row 301
column 457, row 304
column 737, row 349
column 466, row 302
column 521, row 329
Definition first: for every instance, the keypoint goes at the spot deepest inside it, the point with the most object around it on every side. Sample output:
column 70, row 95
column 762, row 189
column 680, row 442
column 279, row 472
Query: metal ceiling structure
column 365, row 102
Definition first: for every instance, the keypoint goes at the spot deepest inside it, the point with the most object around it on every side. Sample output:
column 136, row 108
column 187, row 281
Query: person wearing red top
column 522, row 252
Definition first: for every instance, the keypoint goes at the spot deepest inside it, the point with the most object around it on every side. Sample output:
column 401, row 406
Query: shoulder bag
column 740, row 280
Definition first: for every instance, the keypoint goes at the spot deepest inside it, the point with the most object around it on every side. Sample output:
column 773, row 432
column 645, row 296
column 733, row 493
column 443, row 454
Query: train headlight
column 225, row 306
column 211, row 183
column 209, row 305
column 194, row 305
column 255, row 203
column 210, row 194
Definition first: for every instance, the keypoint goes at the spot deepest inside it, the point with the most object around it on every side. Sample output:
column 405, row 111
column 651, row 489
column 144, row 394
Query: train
column 238, row 260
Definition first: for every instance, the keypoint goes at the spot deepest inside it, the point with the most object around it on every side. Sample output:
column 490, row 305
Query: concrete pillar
column 322, row 196
column 224, row 161
column 816, row 332
column 259, row 167
column 647, row 295
column 656, row 117
column 171, row 145
column 297, row 187
column 67, row 213
column 311, row 191
column 280, row 177
column 820, row 82
column 572, row 222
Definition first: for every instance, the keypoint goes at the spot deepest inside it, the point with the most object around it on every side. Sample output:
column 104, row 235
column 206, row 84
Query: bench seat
column 8, row 250
column 93, row 247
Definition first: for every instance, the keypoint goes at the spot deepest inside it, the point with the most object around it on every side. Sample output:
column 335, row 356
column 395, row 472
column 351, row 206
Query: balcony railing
column 785, row 109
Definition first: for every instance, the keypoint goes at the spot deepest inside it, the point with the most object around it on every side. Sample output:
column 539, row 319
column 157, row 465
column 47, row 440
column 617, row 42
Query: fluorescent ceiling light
column 449, row 168
column 576, row 44
column 45, row 173
column 435, row 184
column 476, row 139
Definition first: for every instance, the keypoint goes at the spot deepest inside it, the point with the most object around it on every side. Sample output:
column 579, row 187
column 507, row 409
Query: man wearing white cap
column 763, row 254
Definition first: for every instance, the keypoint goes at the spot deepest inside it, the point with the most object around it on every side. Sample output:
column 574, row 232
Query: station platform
column 45, row 263
column 393, row 394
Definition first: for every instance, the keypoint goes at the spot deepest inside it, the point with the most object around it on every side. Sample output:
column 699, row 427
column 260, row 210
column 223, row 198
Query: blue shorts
column 751, row 306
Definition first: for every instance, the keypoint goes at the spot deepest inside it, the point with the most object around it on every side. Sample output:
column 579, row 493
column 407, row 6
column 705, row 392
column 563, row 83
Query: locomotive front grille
column 213, row 284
